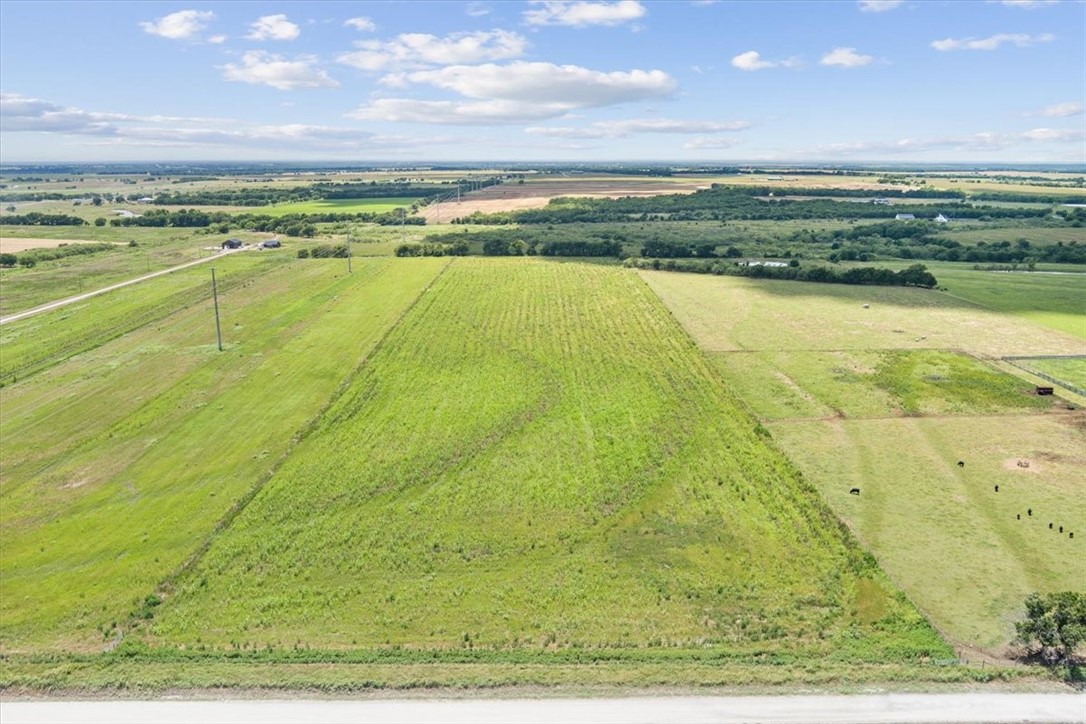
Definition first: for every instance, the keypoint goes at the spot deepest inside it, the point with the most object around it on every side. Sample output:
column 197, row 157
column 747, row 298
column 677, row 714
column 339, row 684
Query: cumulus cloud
column 993, row 42
column 583, row 14
column 709, row 142
column 492, row 112
column 1062, row 110
column 217, row 39
column 1028, row 4
column 984, row 141
column 878, row 6
column 570, row 85
column 360, row 23
column 273, row 27
column 262, row 68
column 414, row 50
column 752, row 60
column 20, row 113
column 516, row 92
column 181, row 25
column 622, row 129
column 477, row 9
column 846, row 58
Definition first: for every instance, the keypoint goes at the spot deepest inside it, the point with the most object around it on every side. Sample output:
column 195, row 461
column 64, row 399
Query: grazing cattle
column 1061, row 528
column 961, row 463
column 854, row 491
column 1050, row 526
column 1018, row 517
column 1029, row 511
column 997, row 488
column 1071, row 534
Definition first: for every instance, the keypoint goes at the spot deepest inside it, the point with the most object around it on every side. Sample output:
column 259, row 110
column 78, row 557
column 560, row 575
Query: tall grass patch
column 538, row 458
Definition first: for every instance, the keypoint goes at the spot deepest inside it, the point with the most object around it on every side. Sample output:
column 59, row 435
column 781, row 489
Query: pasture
column 334, row 206
column 121, row 461
column 536, row 458
column 887, row 399
column 733, row 313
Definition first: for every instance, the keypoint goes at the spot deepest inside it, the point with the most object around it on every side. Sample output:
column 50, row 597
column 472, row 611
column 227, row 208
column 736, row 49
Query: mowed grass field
column 888, row 399
column 538, row 458
column 336, row 206
column 121, row 461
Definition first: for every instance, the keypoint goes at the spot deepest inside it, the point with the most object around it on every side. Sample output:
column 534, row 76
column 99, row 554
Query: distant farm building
column 941, row 219
column 145, row 200
column 762, row 263
column 905, row 217
column 882, row 202
column 1045, row 390
column 270, row 244
column 232, row 244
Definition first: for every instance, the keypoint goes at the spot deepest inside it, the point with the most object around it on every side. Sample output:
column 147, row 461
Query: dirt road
column 872, row 708
column 87, row 295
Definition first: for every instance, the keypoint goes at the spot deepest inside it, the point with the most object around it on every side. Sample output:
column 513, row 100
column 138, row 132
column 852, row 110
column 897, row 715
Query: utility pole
column 215, row 296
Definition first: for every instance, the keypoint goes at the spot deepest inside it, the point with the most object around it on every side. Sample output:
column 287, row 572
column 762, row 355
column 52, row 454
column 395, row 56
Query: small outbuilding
column 1045, row 390
column 941, row 219
column 232, row 244
column 270, row 244
column 905, row 217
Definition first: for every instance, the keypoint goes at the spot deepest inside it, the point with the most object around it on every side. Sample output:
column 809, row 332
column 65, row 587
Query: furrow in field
column 80, row 556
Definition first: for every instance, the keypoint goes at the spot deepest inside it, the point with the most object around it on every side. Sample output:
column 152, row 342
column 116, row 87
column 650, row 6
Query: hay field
column 888, row 399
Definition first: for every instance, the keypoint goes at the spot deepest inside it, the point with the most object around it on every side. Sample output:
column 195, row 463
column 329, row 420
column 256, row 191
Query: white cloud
column 273, row 27
column 361, row 23
column 1028, row 4
column 983, row 141
column 477, row 9
column 1061, row 110
column 1054, row 134
column 492, row 112
column 181, row 25
column 846, row 58
column 21, row 114
column 414, row 50
column 622, row 129
column 569, row 85
column 709, row 142
column 262, row 68
column 993, row 42
column 515, row 92
column 217, row 39
column 582, row 14
column 878, row 6
column 752, row 60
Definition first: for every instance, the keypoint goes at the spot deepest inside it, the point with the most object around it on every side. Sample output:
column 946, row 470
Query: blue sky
column 876, row 80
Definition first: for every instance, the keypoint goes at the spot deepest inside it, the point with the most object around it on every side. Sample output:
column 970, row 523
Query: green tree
column 1054, row 626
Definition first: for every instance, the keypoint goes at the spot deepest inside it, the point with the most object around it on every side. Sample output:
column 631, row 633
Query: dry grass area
column 535, row 194
column 9, row 245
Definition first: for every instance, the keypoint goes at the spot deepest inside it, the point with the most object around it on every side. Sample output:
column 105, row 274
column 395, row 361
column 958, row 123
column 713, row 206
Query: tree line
column 721, row 203
column 916, row 275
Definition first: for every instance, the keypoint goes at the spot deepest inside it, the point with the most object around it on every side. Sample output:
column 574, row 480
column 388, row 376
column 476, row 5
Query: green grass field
column 733, row 313
column 537, row 457
column 884, row 399
column 337, row 206
column 119, row 463
column 941, row 531
column 1067, row 370
column 791, row 384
